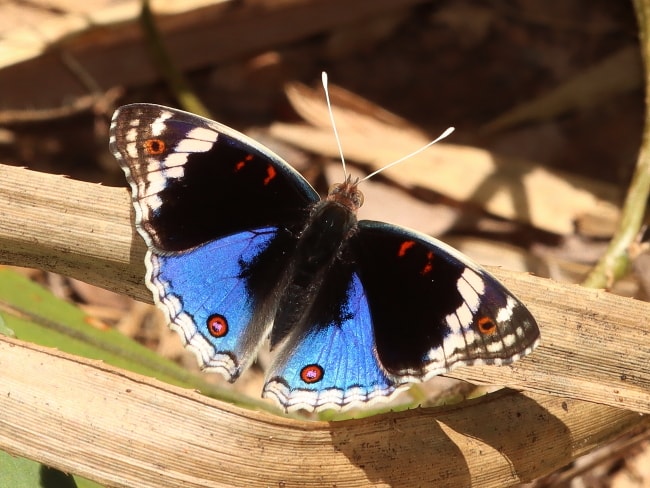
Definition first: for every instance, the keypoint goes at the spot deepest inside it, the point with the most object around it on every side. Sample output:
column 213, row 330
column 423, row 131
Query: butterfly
column 242, row 249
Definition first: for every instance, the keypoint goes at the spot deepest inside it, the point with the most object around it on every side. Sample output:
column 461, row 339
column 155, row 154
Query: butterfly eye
column 358, row 198
column 217, row 325
column 312, row 373
column 486, row 326
column 154, row 147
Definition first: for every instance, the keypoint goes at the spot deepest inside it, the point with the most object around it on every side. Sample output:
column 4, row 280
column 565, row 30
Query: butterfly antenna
column 439, row 138
column 336, row 133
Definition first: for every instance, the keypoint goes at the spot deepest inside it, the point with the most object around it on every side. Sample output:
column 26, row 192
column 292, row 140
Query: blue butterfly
column 241, row 248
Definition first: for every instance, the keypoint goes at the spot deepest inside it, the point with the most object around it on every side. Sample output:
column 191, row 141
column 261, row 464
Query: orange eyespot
column 312, row 373
column 217, row 325
column 486, row 326
column 154, row 147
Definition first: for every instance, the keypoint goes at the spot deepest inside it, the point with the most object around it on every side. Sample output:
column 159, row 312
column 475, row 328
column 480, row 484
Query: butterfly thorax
column 325, row 234
column 323, row 239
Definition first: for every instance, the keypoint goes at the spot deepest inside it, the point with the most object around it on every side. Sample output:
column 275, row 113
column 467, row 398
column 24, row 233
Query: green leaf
column 37, row 316
column 22, row 473
column 19, row 472
column 4, row 330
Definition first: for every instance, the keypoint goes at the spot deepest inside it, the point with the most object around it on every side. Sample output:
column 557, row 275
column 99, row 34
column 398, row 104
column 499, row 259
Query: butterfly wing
column 433, row 309
column 217, row 211
column 193, row 180
column 332, row 365
column 208, row 299
column 409, row 308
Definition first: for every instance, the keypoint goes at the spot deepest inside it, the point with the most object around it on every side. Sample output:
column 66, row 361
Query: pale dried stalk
column 125, row 430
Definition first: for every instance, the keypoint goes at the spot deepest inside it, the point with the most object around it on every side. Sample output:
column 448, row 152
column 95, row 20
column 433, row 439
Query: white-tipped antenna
column 338, row 140
column 336, row 133
column 448, row 131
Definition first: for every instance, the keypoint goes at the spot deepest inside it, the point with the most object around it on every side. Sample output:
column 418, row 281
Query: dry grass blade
column 53, row 223
column 590, row 351
column 124, row 430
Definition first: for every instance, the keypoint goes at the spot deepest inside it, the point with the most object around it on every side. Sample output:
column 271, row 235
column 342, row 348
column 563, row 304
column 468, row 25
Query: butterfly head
column 346, row 194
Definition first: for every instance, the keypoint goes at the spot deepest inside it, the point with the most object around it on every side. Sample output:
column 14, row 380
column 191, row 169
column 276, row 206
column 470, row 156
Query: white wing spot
column 474, row 279
column 193, row 146
column 132, row 150
column 465, row 316
column 453, row 323
column 158, row 125
column 176, row 172
column 151, row 202
column 469, row 294
column 505, row 313
column 202, row 134
column 153, row 187
column 175, row 160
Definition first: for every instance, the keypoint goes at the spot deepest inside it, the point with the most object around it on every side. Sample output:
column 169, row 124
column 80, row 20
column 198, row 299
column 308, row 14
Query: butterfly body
column 240, row 248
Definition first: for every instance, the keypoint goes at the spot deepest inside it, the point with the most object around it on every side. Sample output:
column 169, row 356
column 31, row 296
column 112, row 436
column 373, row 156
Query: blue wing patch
column 332, row 366
column 208, row 303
